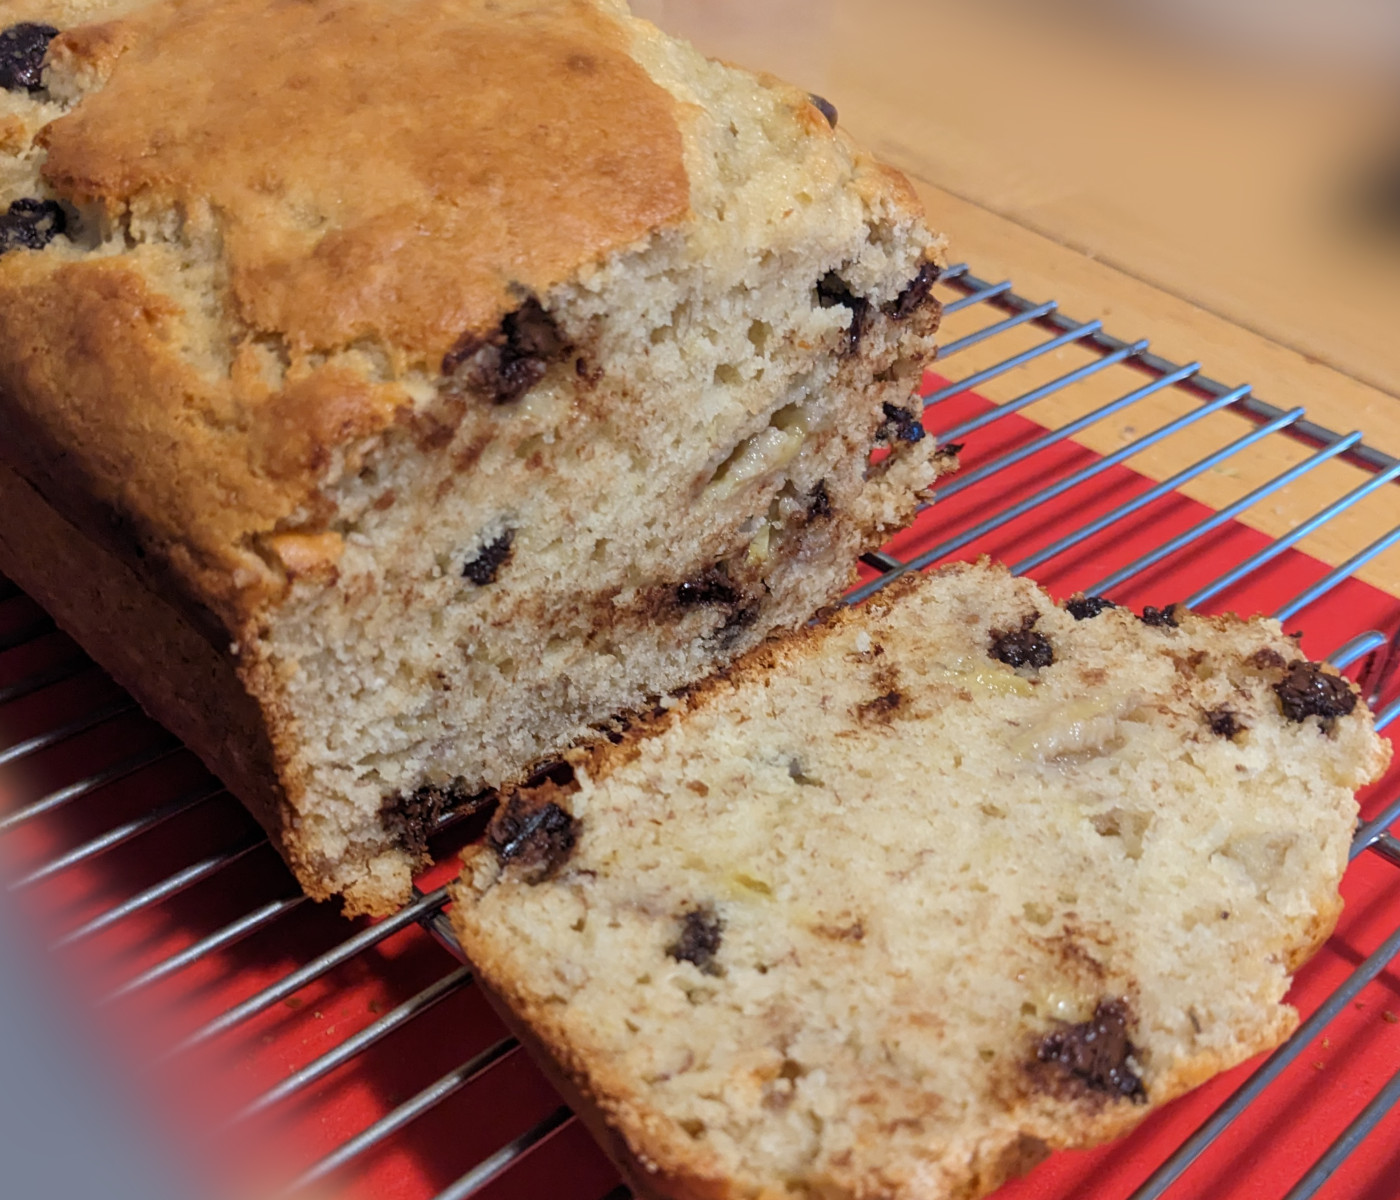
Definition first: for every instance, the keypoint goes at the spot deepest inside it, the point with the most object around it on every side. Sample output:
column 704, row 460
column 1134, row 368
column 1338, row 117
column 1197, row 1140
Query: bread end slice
column 900, row 904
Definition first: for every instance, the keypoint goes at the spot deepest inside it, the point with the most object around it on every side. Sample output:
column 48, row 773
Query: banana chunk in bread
column 905, row 902
column 392, row 390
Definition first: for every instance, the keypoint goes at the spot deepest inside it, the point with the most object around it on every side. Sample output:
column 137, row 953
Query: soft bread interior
column 854, row 920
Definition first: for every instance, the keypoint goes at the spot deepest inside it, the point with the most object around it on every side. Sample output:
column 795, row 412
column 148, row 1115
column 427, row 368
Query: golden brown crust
column 140, row 450
column 190, row 684
column 147, row 645
column 424, row 168
column 289, row 216
column 424, row 165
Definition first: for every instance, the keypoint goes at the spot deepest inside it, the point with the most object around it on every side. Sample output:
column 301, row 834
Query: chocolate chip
column 833, row 290
column 915, row 295
column 535, row 839
column 1267, row 659
column 825, row 106
column 1096, row 1051
column 710, row 588
column 1309, row 691
column 31, row 225
column 739, row 620
column 487, row 564
column 413, row 817
column 1224, row 723
column 1162, row 618
column 818, row 502
column 701, row 932
column 22, row 50
column 900, row 425
column 615, row 729
column 881, row 709
column 1082, row 607
column 554, row 770
column 508, row 363
column 1022, row 647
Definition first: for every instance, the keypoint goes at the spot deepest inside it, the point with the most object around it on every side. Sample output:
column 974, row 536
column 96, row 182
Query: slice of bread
column 901, row 904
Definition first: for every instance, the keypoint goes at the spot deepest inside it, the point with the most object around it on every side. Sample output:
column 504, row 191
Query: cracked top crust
column 397, row 173
column 286, row 207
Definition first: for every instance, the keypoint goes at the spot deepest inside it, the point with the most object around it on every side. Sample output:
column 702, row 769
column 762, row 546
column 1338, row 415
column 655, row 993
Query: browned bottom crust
column 147, row 646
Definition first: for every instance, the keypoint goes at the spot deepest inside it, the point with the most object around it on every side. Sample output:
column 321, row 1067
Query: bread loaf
column 898, row 906
column 392, row 390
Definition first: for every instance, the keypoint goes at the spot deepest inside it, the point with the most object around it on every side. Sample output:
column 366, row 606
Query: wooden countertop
column 1126, row 180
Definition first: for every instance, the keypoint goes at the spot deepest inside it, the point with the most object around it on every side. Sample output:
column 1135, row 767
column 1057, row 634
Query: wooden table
column 1129, row 177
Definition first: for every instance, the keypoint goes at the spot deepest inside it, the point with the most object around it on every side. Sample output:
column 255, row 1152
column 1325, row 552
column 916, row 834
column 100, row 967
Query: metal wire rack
column 1020, row 465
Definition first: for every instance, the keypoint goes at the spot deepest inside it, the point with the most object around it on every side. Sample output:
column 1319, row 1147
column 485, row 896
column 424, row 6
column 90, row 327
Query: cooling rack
column 360, row 1059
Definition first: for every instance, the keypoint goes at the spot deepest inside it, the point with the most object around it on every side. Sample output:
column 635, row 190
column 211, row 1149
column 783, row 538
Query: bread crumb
column 918, row 901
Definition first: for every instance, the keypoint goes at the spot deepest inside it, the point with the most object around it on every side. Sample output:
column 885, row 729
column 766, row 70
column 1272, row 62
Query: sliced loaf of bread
column 392, row 390
column 899, row 905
